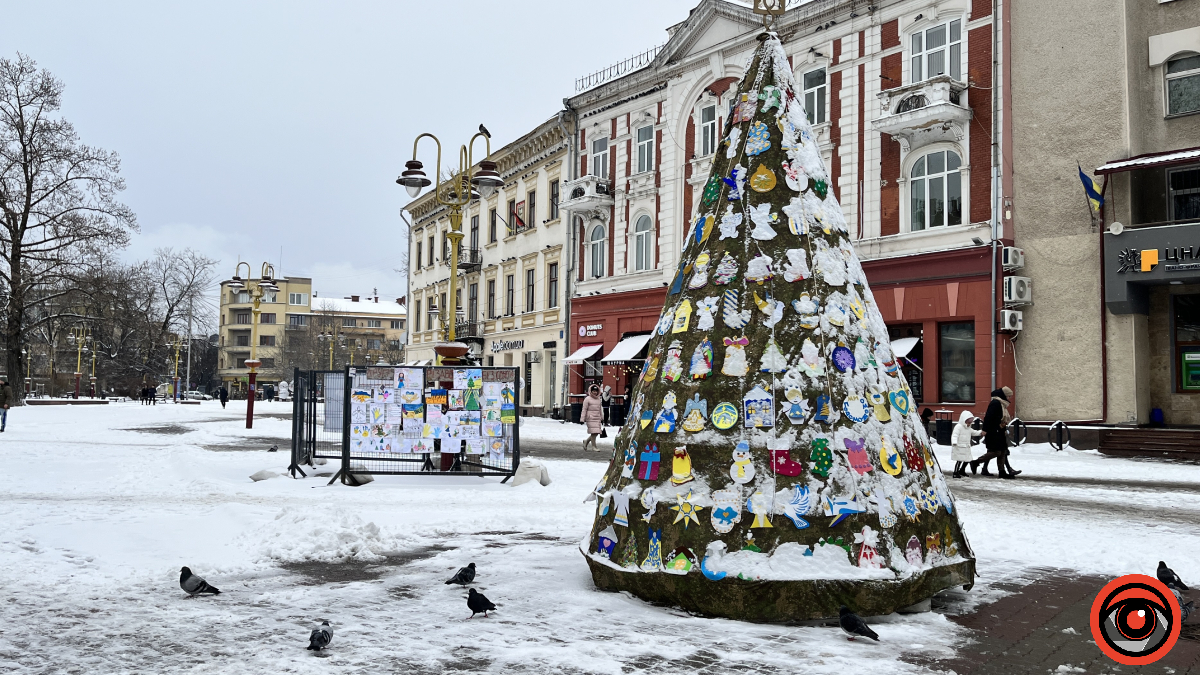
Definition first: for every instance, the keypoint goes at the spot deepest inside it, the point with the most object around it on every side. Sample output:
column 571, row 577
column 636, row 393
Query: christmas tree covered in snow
column 772, row 466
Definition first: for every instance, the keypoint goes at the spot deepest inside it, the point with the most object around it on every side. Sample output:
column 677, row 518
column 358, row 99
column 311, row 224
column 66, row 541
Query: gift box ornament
column 695, row 414
column 730, row 314
column 744, row 111
column 648, row 469
column 742, row 469
column 664, row 423
column 727, row 269
column 734, row 364
column 681, row 466
column 653, row 561
column 758, row 408
column 702, row 359
column 699, row 272
column 760, row 505
column 726, row 510
column 673, row 365
column 606, row 541
column 758, row 139
column 820, row 457
column 856, row 453
column 797, row 505
column 724, row 416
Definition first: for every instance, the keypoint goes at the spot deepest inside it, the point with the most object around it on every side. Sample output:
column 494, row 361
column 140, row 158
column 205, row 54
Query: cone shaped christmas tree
column 773, row 466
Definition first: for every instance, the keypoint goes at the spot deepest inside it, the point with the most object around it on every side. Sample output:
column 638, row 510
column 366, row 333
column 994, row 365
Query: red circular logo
column 1135, row 620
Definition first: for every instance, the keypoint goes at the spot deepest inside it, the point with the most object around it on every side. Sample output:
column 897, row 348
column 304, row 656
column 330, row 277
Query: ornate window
column 600, row 158
column 1183, row 84
column 937, row 51
column 708, row 130
column 597, row 251
column 643, row 246
column 935, row 190
column 645, row 149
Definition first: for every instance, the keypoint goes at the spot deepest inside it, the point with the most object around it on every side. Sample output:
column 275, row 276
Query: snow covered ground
column 102, row 505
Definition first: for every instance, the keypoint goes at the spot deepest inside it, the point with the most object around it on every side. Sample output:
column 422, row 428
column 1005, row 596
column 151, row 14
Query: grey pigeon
column 195, row 584
column 464, row 576
column 321, row 637
column 1185, row 609
column 477, row 602
column 483, row 130
column 273, row 448
column 1168, row 576
column 853, row 625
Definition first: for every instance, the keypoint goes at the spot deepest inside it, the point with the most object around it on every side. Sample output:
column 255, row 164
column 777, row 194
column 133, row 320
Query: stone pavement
column 1043, row 628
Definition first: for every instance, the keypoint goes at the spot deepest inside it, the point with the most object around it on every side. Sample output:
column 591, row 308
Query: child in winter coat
column 960, row 442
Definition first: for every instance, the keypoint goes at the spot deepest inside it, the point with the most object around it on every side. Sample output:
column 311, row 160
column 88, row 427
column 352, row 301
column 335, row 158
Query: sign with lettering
column 1141, row 257
column 507, row 345
column 590, row 330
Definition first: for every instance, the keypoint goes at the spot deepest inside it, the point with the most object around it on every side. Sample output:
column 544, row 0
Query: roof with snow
column 363, row 306
column 1153, row 159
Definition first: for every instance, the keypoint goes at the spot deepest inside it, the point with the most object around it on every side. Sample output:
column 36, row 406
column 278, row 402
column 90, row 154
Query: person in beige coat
column 592, row 415
column 960, row 443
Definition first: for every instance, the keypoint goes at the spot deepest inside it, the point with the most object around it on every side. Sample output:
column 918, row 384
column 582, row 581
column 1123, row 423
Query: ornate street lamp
column 257, row 289
column 79, row 336
column 464, row 185
column 175, row 342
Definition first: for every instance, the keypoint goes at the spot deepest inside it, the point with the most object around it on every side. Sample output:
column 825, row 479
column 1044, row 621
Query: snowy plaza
column 104, row 504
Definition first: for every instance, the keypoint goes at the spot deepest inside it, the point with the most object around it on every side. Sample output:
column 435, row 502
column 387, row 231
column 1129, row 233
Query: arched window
column 935, row 187
column 1183, row 84
column 643, row 245
column 597, row 250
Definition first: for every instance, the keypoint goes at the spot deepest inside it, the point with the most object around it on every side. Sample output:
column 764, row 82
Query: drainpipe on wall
column 569, row 223
column 997, row 170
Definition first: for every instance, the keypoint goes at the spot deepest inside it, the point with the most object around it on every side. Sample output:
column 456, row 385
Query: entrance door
column 551, row 368
column 912, row 371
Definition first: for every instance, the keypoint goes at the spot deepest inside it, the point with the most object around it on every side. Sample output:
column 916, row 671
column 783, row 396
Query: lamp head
column 487, row 179
column 236, row 284
column 414, row 178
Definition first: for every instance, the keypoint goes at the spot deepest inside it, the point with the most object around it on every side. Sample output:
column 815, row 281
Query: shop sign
column 507, row 345
column 590, row 330
column 1141, row 257
column 1172, row 259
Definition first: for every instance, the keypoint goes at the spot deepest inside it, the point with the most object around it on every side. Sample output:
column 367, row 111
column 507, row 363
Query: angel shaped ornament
column 762, row 218
column 811, row 363
column 797, row 265
column 727, row 270
column 868, row 554
column 729, row 227
column 760, row 505
column 704, row 312
column 664, row 423
column 773, row 360
column 772, row 308
column 731, row 141
column 673, row 365
column 695, row 414
column 797, row 407
column 702, row 360
column 758, row 270
column 734, row 364
column 699, row 272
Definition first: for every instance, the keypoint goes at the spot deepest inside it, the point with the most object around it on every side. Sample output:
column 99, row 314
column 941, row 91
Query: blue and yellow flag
column 1093, row 194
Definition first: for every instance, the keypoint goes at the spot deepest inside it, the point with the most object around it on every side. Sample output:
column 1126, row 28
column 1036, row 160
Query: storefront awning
column 627, row 349
column 582, row 354
column 1153, row 159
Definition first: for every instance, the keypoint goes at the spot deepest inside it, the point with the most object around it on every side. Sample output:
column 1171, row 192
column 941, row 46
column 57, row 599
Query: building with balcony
column 278, row 311
column 509, row 304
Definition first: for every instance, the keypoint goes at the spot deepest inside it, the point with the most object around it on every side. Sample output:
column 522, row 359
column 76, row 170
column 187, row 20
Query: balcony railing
column 924, row 112
column 588, row 192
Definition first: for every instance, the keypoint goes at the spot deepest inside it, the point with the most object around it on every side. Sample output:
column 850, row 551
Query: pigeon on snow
column 320, row 638
column 273, row 448
column 195, row 584
column 853, row 625
column 464, row 576
column 477, row 602
column 1168, row 576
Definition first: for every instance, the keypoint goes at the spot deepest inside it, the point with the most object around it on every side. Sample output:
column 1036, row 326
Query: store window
column 643, row 235
column 1184, row 193
column 937, row 51
column 935, row 189
column 956, row 362
column 1183, row 84
column 708, row 130
column 600, row 158
column 1186, row 310
column 596, row 251
column 645, row 149
column 814, row 95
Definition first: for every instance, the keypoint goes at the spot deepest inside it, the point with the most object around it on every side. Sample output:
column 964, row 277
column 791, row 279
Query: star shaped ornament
column 686, row 510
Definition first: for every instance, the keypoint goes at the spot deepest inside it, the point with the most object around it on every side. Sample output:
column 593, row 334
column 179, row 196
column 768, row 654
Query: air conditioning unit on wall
column 533, row 357
column 1018, row 291
column 1012, row 258
column 1012, row 320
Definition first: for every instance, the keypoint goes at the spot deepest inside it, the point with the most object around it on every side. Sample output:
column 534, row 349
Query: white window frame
column 645, row 149
column 597, row 250
column 599, row 157
column 816, row 98
column 708, row 131
column 1168, row 78
column 348, row 322
column 374, row 323
column 395, row 324
column 952, row 50
column 643, row 244
column 910, row 185
column 299, row 299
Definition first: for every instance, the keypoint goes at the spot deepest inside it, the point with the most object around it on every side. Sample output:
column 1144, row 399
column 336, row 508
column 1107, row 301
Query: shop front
column 535, row 351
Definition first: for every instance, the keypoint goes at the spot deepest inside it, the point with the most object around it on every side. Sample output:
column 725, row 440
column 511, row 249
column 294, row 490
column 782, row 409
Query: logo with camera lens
column 1135, row 620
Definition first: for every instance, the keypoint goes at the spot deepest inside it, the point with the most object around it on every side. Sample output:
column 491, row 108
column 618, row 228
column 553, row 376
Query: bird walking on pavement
column 477, row 602
column 1168, row 576
column 195, row 584
column 853, row 625
column 464, row 576
column 321, row 637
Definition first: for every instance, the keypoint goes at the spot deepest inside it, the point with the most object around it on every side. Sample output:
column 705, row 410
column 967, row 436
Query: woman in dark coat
column 995, row 421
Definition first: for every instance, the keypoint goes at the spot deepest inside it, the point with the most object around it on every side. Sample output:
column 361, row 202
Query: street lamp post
column 258, row 288
column 175, row 342
column 93, row 379
column 454, row 194
column 28, row 371
column 80, row 335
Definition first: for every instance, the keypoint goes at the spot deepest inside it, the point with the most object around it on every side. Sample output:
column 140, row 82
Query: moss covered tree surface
column 823, row 491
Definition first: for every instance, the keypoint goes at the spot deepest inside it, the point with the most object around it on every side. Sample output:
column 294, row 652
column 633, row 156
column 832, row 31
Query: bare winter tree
column 57, row 200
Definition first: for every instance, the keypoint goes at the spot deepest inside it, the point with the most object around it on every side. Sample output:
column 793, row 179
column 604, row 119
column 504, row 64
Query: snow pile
column 302, row 534
column 792, row 561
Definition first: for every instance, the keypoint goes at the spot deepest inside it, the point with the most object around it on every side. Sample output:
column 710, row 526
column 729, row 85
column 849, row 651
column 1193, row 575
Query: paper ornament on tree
column 797, row 506
column 681, row 466
column 821, row 457
column 868, row 556
column 699, row 273
column 653, row 561
column 727, row 270
column 649, row 466
column 742, row 469
column 760, row 505
column 734, row 364
column 726, row 511
column 857, row 454
column 695, row 414
column 606, row 542
column 702, row 360
column 673, row 366
column 630, row 460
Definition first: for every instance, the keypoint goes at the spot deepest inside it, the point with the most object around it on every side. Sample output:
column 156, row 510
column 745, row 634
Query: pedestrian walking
column 960, row 441
column 592, row 414
column 995, row 421
column 6, row 399
column 606, row 401
column 223, row 394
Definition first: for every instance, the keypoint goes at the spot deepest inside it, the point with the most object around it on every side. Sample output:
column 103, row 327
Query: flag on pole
column 1093, row 193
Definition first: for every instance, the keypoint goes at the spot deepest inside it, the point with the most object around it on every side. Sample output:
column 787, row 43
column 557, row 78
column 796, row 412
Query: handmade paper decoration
column 646, row 418
column 821, row 457
column 816, row 339
column 763, row 179
column 621, row 502
column 629, row 558
column 758, row 406
column 758, row 140
column 653, row 561
column 889, row 458
column 726, row 511
column 673, row 365
column 742, row 469
column 606, row 542
column 933, row 547
column 950, row 546
column 665, row 422
column 686, row 509
column 709, row 574
column 856, row 409
column 695, row 414
column 929, row 500
column 943, row 495
column 913, row 553
column 631, row 452
column 699, row 273
column 899, row 399
column 734, row 364
column 681, row 466
column 650, row 369
column 797, row 505
column 683, row 315
column 727, row 270
column 856, row 452
column 649, row 467
column 913, row 454
column 724, row 416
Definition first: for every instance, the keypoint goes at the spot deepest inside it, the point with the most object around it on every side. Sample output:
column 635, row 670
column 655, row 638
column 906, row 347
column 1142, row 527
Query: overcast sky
column 275, row 130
